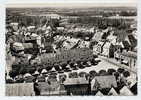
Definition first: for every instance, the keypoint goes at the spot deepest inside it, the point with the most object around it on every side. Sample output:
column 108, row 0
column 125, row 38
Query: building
column 17, row 47
column 98, row 35
column 76, row 86
column 112, row 92
column 30, row 39
column 126, row 91
column 132, row 41
column 22, row 89
column 70, row 43
column 30, row 48
column 99, row 47
column 108, row 49
column 14, row 25
column 122, row 46
column 129, row 58
column 103, row 82
column 99, row 94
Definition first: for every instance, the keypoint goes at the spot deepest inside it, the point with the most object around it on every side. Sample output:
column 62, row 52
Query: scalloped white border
column 2, row 47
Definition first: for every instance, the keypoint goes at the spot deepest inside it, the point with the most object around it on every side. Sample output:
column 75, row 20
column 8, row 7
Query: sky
column 70, row 3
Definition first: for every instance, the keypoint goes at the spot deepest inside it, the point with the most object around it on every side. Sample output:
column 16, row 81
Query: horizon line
column 68, row 5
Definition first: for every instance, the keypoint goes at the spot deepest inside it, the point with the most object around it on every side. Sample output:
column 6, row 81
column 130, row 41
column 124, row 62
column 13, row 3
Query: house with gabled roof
column 134, row 89
column 112, row 92
column 129, row 58
column 99, row 94
column 108, row 49
column 126, row 91
column 103, row 82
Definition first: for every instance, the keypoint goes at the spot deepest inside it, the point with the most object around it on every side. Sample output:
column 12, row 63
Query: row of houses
column 125, row 50
column 128, row 58
column 99, row 86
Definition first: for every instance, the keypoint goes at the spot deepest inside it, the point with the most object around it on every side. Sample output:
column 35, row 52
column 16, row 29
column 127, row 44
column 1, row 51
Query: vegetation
column 102, row 22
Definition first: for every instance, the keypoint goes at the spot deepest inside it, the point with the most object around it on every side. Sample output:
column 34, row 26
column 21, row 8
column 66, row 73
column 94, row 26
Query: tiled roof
column 132, row 40
column 125, row 44
column 101, row 82
column 113, row 92
column 134, row 88
column 125, row 91
column 75, row 81
column 99, row 94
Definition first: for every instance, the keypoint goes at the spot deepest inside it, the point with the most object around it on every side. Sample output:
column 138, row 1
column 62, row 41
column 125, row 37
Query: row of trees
column 22, row 68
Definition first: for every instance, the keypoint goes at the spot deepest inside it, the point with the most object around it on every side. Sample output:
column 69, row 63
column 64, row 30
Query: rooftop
column 75, row 81
column 101, row 82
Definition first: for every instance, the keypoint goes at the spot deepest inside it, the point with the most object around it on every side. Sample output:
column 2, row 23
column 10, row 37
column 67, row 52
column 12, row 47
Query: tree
column 92, row 43
column 31, row 70
column 22, row 71
column 93, row 73
column 63, row 65
column 120, row 70
column 102, row 72
column 9, row 81
column 126, row 73
column 56, row 66
column 111, row 71
column 116, row 74
column 73, row 75
column 82, row 74
column 13, row 73
column 62, row 78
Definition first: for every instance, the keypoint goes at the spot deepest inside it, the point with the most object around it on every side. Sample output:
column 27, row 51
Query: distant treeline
column 103, row 22
column 30, row 20
column 100, row 12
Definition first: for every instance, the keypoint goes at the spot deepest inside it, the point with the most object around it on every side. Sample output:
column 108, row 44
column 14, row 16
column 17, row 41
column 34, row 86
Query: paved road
column 117, row 64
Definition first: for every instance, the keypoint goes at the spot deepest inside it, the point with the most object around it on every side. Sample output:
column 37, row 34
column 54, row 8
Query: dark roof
column 132, row 40
column 134, row 89
column 125, row 44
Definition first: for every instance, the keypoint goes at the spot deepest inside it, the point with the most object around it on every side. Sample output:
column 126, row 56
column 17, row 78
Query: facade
column 99, row 47
column 108, row 50
column 76, row 86
column 129, row 58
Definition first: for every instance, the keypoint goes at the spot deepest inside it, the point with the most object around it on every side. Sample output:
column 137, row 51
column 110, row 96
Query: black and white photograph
column 64, row 50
